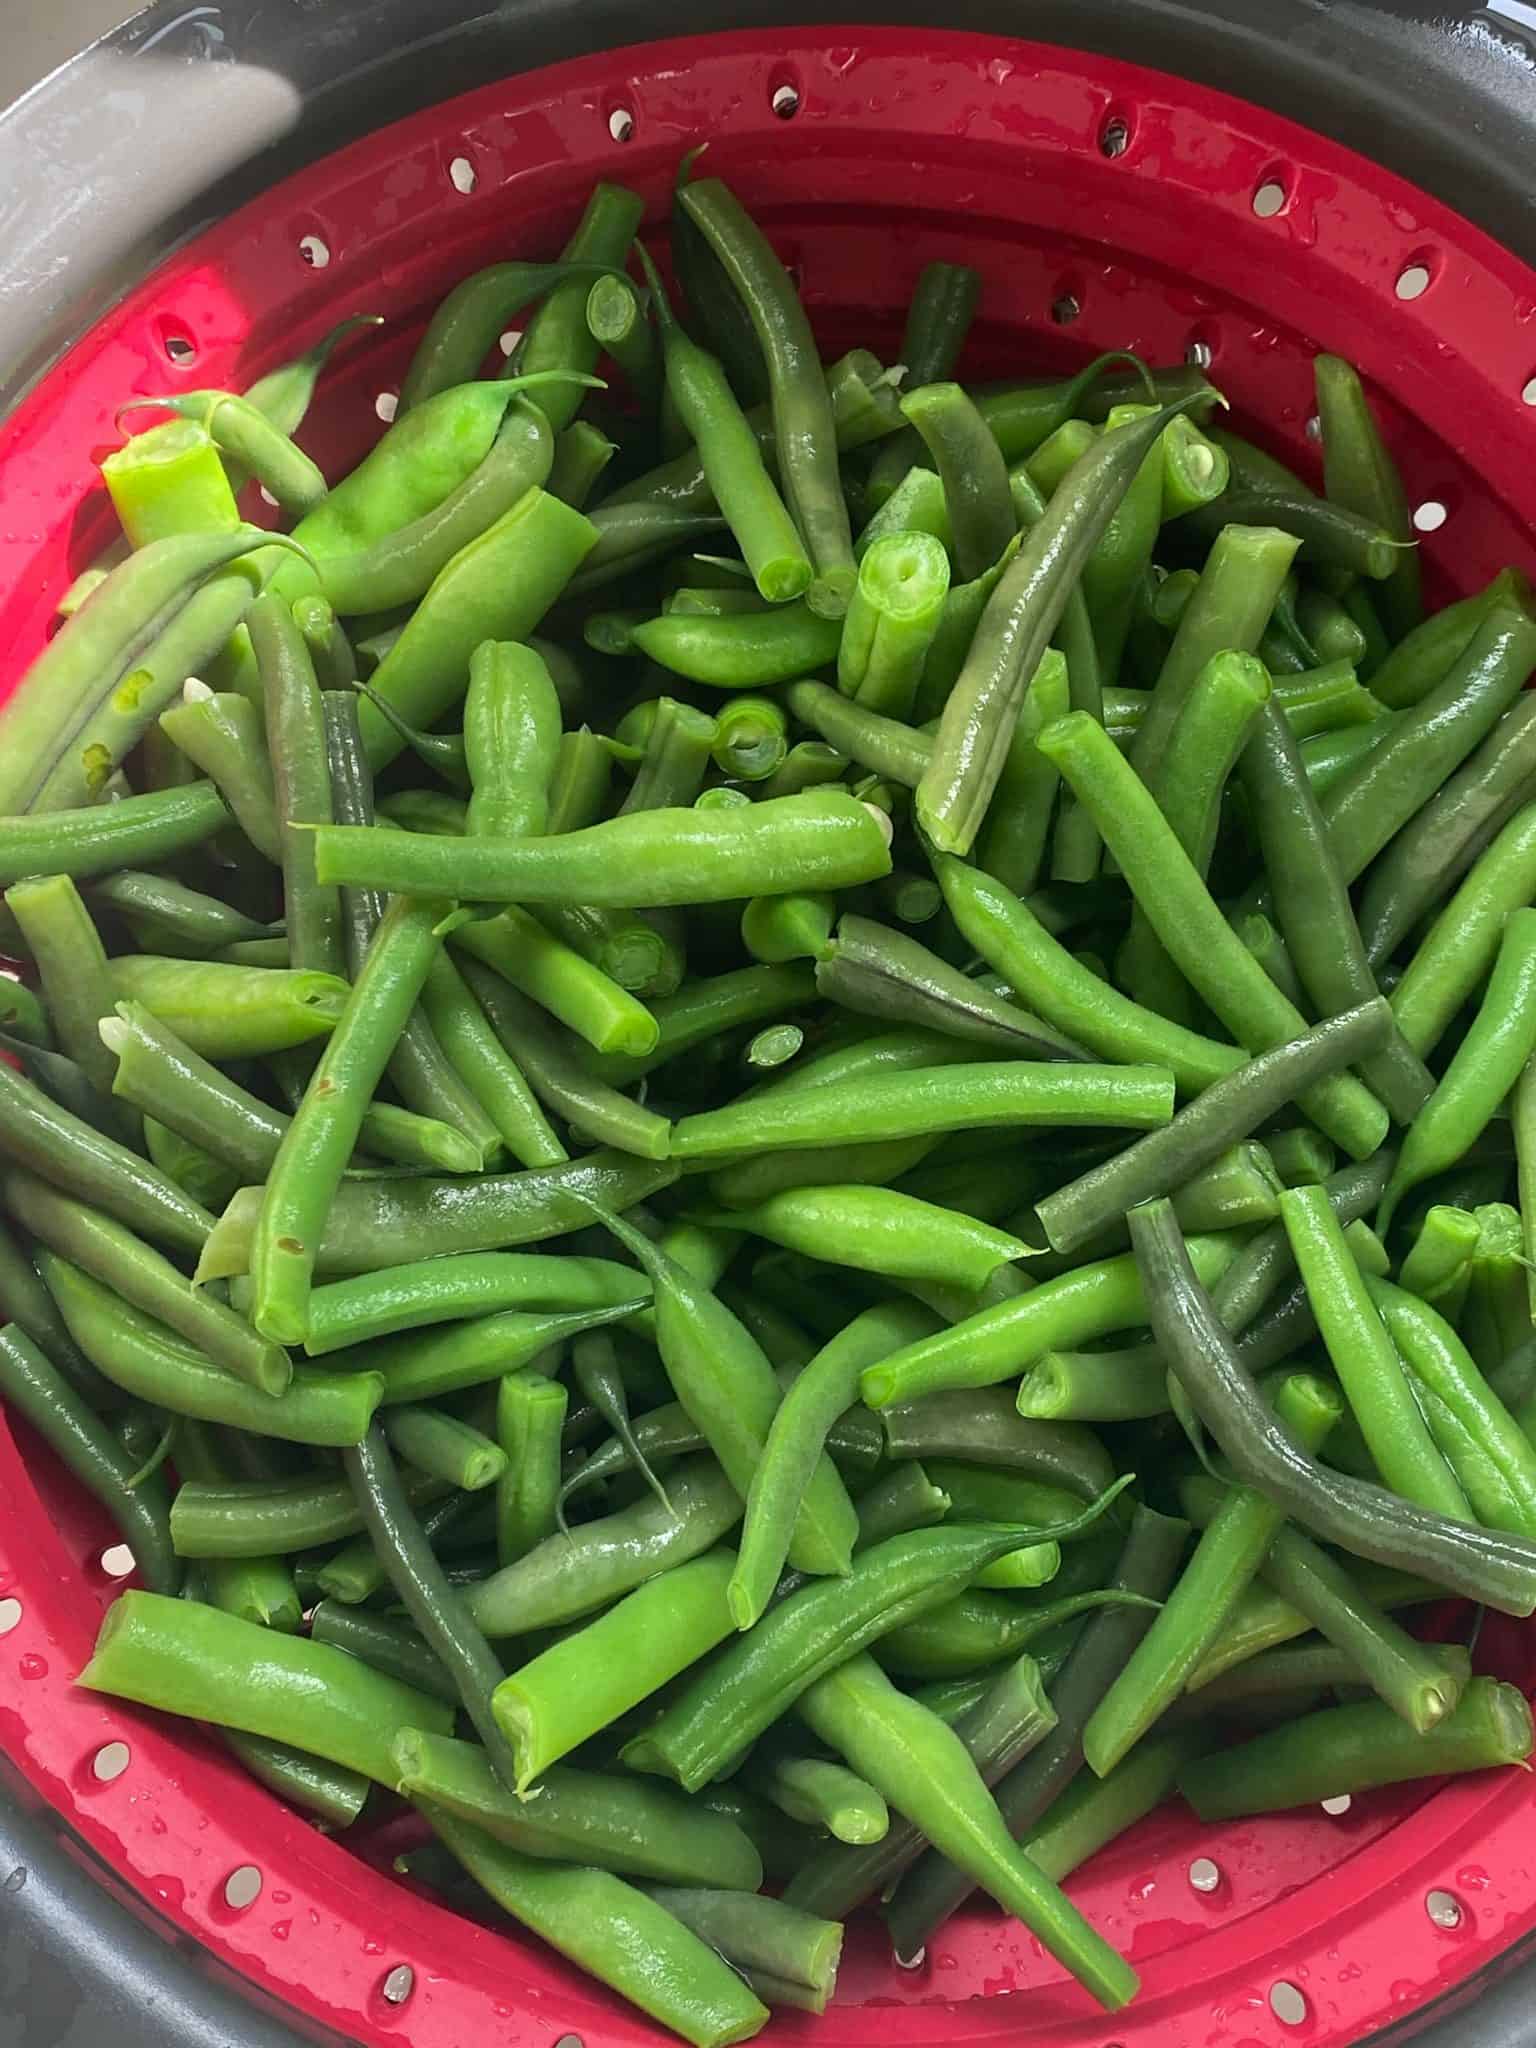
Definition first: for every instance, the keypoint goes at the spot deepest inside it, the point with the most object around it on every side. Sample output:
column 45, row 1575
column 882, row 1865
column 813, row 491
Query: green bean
column 72, row 967
column 925, row 1769
column 451, row 1289
column 1327, row 699
column 182, row 1160
column 26, row 1302
column 259, row 1589
column 1360, row 475
column 916, row 505
column 133, row 832
column 749, row 743
column 443, row 753
column 636, row 1647
column 884, row 974
column 1432, row 853
column 161, row 1075
column 169, row 480
column 977, row 721
column 444, row 1447
column 877, row 1230
column 1010, row 1715
column 1226, row 1559
column 1365, row 1358
column 1463, row 941
column 880, row 744
column 1201, row 1132
column 777, row 929
column 698, row 1014
column 894, row 614
column 728, row 450
column 753, row 1932
column 1313, row 907
column 726, row 1384
column 1261, row 488
column 467, row 1354
column 976, row 1629
column 1481, row 1072
column 1409, row 1676
column 983, row 1095
column 511, row 732
column 933, row 1889
column 971, row 467
column 548, row 1056
column 314, row 1149
column 226, row 1012
column 222, row 734
column 70, row 720
column 530, row 1416
column 1368, row 1520
column 1262, row 1620
column 301, row 782
column 1393, row 781
column 651, row 858
column 375, row 1224
column 141, row 1356
column 459, row 1024
column 262, row 1517
column 1351, row 1749
column 570, row 1575
column 613, row 1931
column 38, row 1390
column 71, row 1155
column 627, row 1825
column 497, row 587
column 599, row 1376
column 1441, row 1367
column 63, row 1082
column 582, row 452
column 958, row 622
column 1191, row 927
column 804, row 433
column 1095, row 1386
column 330, row 650
column 1014, row 941
column 335, row 1795
column 120, row 1260
column 1228, row 609
column 760, row 1674
column 1093, row 1811
column 824, row 1390
column 166, row 917
column 1225, row 702
column 185, row 1658
column 393, row 1647
column 424, row 1590
column 1422, row 658
column 678, row 749
column 1076, row 1307
column 1438, row 1256
column 1263, row 941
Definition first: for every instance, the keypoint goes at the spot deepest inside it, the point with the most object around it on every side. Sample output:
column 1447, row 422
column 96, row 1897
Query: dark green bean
column 36, row 1389
column 1370, row 1522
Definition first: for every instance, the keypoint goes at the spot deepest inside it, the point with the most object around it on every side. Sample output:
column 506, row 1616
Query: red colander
column 1107, row 207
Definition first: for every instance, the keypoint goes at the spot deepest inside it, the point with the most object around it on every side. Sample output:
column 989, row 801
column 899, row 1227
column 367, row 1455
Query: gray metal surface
column 107, row 163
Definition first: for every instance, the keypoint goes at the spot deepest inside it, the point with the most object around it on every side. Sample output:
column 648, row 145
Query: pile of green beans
column 765, row 1111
